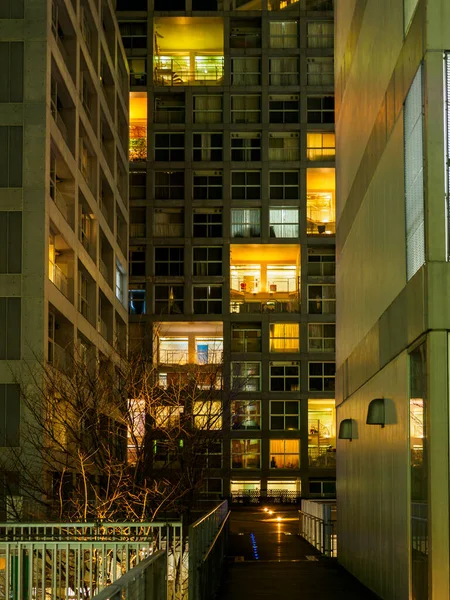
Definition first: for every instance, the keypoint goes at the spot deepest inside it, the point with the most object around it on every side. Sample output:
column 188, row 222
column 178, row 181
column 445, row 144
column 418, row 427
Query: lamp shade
column 346, row 429
column 376, row 413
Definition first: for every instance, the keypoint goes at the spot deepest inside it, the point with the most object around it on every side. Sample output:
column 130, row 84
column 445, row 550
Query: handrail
column 211, row 512
column 217, row 536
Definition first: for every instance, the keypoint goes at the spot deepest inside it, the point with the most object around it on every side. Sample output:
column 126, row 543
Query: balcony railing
column 58, row 357
column 169, row 116
column 58, row 198
column 173, row 357
column 173, row 73
column 266, row 306
column 57, row 277
column 322, row 457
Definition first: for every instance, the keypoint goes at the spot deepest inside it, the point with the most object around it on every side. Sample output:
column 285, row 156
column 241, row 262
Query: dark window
column 173, row 5
column 11, row 141
column 208, row 300
column 134, row 34
column 10, row 328
column 169, row 146
column 245, row 185
column 284, row 377
column 169, row 299
column 321, row 376
column 138, row 185
column 208, row 223
column 320, row 109
column 169, row 185
column 137, row 261
column 10, row 242
column 169, row 261
column 11, row 9
column 208, row 261
column 208, row 146
column 11, row 71
column 131, row 5
column 207, row 185
column 9, row 414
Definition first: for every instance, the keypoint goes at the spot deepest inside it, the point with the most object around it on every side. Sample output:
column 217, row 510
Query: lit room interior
column 189, row 343
column 320, row 201
column 138, row 126
column 322, row 433
column 266, row 274
column 188, row 51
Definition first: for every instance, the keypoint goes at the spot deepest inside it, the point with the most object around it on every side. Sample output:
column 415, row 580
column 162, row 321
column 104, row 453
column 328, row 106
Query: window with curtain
column 168, row 222
column 284, row 146
column 320, row 34
column 321, row 337
column 283, row 34
column 245, row 222
column 207, row 146
column 284, row 454
column 245, row 71
column 414, row 196
column 207, row 109
column 320, row 71
column 284, row 71
column 320, row 145
column 245, row 109
column 284, row 222
column 284, row 337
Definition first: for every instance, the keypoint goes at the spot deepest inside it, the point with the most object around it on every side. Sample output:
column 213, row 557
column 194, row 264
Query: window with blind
column 320, row 71
column 414, row 197
column 245, row 109
column 320, row 34
column 245, row 222
column 283, row 34
column 245, row 71
column 284, row 337
column 284, row 71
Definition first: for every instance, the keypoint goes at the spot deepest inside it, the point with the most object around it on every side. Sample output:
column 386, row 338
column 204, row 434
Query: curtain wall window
column 414, row 197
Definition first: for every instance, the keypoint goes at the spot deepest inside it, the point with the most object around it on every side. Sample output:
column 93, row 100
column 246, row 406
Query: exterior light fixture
column 346, row 429
column 376, row 413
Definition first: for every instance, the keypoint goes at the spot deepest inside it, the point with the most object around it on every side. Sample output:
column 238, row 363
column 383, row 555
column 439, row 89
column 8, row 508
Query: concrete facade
column 63, row 191
column 394, row 541
column 178, row 98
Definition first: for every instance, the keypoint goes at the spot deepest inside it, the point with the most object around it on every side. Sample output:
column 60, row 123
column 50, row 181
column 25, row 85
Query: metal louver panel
column 414, row 196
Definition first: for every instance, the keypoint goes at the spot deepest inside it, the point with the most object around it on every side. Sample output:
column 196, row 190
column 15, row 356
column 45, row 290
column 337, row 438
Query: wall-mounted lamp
column 346, row 429
column 376, row 413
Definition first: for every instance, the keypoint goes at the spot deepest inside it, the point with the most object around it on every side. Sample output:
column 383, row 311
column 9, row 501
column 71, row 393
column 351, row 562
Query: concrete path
column 268, row 560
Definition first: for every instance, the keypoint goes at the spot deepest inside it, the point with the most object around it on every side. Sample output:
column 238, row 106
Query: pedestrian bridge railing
column 317, row 525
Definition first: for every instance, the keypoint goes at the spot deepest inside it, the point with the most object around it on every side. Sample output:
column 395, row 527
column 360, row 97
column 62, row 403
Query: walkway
column 267, row 560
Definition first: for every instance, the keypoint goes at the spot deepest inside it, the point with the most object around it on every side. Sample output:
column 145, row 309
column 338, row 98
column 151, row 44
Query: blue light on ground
column 255, row 546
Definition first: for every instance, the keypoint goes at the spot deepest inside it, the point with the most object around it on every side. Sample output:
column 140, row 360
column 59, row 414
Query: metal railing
column 273, row 306
column 319, row 531
column 146, row 581
column 207, row 540
column 78, row 560
column 245, row 40
column 173, row 73
column 57, row 277
column 247, row 497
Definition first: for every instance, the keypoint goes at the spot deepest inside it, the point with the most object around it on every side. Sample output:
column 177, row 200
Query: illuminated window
column 207, row 299
column 284, row 185
column 208, row 261
column 169, row 261
column 136, row 304
column 245, row 146
column 284, row 222
column 138, row 71
column 284, row 376
column 245, row 222
column 246, row 109
column 246, row 71
column 284, row 109
column 284, row 71
column 208, row 146
column 321, row 376
column 321, row 299
column 208, row 414
column 246, row 414
column 320, row 34
column 138, row 126
column 320, row 109
column 320, row 146
column 208, row 350
column 284, row 415
column 320, row 71
column 169, row 299
column 284, row 146
column 173, row 350
column 245, row 185
column 167, row 416
column 169, row 185
column 322, row 433
column 284, row 454
column 283, row 34
column 207, row 185
column 320, row 201
column 284, row 337
column 246, row 376
column 208, row 109
column 207, row 222
column 169, row 146
column 245, row 454
column 321, row 337
column 136, row 428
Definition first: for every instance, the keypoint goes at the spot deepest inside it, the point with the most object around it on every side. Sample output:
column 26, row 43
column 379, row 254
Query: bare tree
column 112, row 440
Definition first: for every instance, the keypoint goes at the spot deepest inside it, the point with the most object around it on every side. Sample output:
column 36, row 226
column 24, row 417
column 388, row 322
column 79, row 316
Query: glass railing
column 170, row 72
column 59, row 278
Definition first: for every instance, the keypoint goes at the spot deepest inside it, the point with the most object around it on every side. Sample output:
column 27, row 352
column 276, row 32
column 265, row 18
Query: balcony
column 320, row 201
column 269, row 284
column 57, row 276
column 171, row 71
column 58, row 357
column 138, row 126
column 190, row 343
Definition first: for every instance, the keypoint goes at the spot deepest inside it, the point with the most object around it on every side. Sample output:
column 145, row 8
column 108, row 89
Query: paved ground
column 267, row 559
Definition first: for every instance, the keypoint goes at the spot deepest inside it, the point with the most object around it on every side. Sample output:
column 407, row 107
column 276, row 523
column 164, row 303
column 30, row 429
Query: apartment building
column 63, row 191
column 232, row 225
column 393, row 93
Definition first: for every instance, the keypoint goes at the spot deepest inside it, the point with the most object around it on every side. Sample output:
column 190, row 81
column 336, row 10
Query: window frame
column 284, row 415
column 323, row 377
